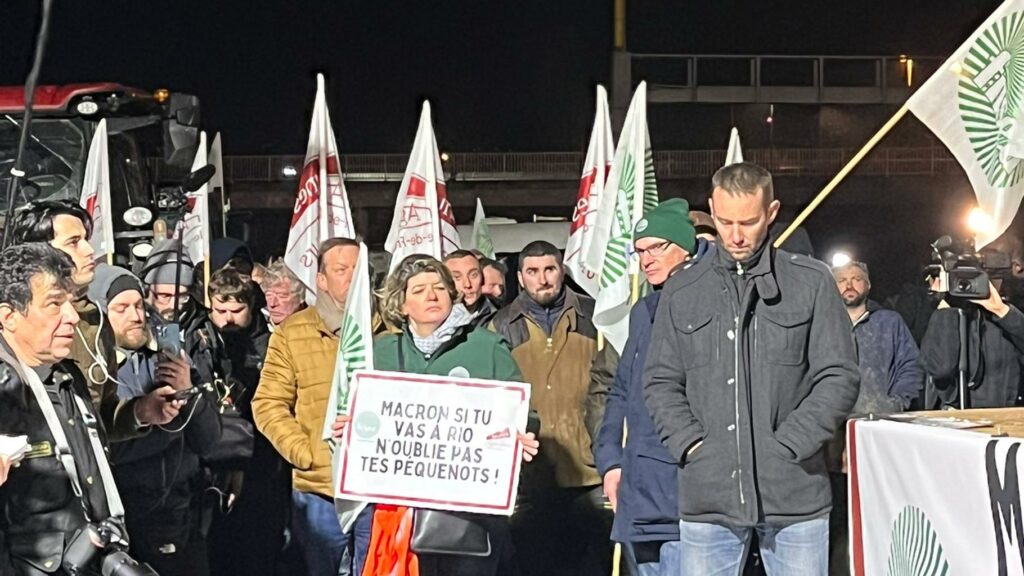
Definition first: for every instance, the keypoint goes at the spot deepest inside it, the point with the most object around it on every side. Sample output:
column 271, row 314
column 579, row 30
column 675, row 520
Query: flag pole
column 110, row 257
column 206, row 280
column 843, row 173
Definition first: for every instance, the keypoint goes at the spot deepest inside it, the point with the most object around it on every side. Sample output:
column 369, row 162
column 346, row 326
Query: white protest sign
column 434, row 442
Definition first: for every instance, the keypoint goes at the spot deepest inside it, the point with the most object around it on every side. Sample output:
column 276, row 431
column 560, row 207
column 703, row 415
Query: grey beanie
column 162, row 264
column 108, row 282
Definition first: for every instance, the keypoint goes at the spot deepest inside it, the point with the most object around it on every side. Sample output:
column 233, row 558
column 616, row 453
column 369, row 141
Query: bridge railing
column 669, row 164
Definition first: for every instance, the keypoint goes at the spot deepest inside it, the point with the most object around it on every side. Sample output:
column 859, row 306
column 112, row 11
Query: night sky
column 501, row 75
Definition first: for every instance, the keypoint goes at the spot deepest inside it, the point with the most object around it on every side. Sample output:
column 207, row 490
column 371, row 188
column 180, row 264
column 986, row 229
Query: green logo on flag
column 990, row 90
column 616, row 257
column 353, row 354
column 914, row 548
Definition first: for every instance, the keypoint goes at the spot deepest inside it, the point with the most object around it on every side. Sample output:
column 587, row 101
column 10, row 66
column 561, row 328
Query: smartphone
column 183, row 394
column 168, row 338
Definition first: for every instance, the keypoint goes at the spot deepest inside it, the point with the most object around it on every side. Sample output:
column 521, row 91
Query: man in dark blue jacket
column 640, row 477
column 891, row 376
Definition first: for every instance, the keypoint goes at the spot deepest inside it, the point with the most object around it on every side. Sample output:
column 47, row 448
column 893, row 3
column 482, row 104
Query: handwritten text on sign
column 434, row 442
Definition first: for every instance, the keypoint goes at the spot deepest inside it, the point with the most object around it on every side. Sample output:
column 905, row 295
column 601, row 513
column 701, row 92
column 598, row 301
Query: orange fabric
column 390, row 553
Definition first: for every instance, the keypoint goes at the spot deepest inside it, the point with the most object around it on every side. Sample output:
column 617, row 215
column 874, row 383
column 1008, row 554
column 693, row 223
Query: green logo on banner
column 367, row 425
column 914, row 549
column 990, row 90
column 353, row 353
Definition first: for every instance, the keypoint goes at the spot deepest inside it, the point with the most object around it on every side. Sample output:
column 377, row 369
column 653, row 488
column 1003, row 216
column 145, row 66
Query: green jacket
column 482, row 353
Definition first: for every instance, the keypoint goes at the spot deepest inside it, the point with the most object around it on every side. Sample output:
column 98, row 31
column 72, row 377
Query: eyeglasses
column 653, row 251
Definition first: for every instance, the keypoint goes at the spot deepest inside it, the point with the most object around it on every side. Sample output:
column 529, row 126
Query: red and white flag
column 424, row 222
column 588, row 199
column 195, row 228
column 317, row 216
column 216, row 157
column 96, row 193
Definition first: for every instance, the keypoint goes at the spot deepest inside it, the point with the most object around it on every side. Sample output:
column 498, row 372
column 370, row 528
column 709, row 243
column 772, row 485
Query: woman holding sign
column 437, row 338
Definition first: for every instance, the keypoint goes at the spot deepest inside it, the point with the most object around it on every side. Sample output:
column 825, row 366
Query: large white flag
column 588, row 199
column 424, row 222
column 482, row 240
column 216, row 158
column 734, row 154
column 196, row 227
column 317, row 216
column 96, row 193
column 355, row 352
column 974, row 104
column 630, row 193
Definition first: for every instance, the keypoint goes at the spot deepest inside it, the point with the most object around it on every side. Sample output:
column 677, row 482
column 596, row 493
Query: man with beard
column 159, row 475
column 552, row 336
column 890, row 369
column 167, row 275
column 890, row 378
column 248, row 536
column 469, row 280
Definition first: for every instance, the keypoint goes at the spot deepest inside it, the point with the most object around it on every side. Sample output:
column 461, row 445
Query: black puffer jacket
column 758, row 364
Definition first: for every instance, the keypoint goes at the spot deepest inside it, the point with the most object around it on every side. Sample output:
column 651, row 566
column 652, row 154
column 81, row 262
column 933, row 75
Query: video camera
column 106, row 539
column 963, row 272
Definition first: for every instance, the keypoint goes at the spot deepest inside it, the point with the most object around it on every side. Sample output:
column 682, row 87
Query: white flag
column 195, row 232
column 423, row 221
column 588, row 199
column 355, row 352
column 482, row 233
column 317, row 216
column 974, row 104
column 734, row 155
column 630, row 193
column 96, row 193
column 216, row 158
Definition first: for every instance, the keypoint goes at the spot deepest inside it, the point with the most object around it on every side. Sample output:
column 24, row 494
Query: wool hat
column 669, row 220
column 161, row 267
column 110, row 281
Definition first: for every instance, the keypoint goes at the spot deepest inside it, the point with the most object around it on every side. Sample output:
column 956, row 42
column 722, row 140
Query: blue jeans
column 799, row 549
column 324, row 545
column 653, row 558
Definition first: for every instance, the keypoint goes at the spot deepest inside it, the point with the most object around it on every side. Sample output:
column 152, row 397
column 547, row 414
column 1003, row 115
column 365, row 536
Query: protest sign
column 440, row 442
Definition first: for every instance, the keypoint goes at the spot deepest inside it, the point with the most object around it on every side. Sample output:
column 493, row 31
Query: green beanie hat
column 669, row 220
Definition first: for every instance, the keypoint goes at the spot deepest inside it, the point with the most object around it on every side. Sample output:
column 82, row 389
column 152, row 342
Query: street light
column 289, row 171
column 840, row 259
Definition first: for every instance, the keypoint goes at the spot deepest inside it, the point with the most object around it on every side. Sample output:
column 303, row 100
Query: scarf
column 429, row 344
column 330, row 312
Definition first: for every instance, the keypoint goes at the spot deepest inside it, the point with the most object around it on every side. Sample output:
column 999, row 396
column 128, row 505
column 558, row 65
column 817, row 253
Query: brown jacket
column 558, row 370
column 291, row 399
column 93, row 349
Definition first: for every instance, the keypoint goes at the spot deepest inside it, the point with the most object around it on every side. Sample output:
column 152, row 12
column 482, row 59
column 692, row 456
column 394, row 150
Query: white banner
column 96, row 193
column 930, row 501
column 423, row 222
column 434, row 442
column 196, row 226
column 318, row 216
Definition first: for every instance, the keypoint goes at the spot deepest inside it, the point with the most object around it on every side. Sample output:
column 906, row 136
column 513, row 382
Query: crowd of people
column 181, row 425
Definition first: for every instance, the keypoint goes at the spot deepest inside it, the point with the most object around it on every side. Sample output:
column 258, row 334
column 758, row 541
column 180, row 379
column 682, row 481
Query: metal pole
column 18, row 170
column 962, row 359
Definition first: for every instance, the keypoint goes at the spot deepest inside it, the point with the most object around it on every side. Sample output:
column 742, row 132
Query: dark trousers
column 839, row 527
column 563, row 532
column 189, row 560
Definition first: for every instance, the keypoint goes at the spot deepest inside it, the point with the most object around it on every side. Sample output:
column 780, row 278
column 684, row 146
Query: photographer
column 159, row 475
column 994, row 345
column 59, row 506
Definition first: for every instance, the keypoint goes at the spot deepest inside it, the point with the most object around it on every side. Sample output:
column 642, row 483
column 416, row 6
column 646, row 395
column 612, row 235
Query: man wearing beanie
column 750, row 371
column 640, row 477
column 109, row 290
column 167, row 276
column 159, row 475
